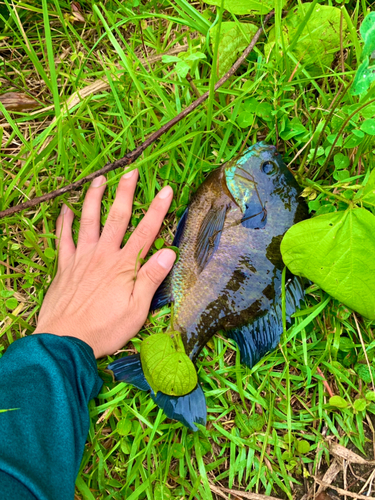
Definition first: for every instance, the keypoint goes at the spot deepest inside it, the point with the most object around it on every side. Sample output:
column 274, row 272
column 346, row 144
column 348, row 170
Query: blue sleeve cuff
column 46, row 382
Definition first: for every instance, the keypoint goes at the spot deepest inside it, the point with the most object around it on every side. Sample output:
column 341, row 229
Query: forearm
column 46, row 383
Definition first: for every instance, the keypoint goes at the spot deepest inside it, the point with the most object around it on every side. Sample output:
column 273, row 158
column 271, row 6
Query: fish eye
column 269, row 168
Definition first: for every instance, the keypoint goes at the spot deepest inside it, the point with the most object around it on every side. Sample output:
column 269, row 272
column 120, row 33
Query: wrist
column 67, row 332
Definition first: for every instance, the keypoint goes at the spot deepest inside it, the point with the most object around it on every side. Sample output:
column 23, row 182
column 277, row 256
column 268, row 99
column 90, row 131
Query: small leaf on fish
column 166, row 366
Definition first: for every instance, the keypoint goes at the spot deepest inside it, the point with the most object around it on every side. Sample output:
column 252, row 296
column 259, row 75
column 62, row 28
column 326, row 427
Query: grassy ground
column 270, row 429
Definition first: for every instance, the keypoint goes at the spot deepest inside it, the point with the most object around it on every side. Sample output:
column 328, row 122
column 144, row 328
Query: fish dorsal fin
column 163, row 294
column 209, row 236
column 262, row 336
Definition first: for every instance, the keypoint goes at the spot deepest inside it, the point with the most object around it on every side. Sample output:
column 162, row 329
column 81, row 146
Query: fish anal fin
column 209, row 236
column 262, row 335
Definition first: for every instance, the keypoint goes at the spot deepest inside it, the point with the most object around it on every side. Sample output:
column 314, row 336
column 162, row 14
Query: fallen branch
column 340, row 451
column 132, row 156
column 341, row 491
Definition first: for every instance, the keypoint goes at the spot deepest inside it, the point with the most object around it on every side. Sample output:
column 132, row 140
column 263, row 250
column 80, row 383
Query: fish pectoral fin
column 262, row 336
column 255, row 216
column 163, row 294
column 209, row 236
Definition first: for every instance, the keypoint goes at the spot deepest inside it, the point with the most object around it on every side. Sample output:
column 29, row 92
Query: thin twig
column 325, row 383
column 14, row 269
column 132, row 156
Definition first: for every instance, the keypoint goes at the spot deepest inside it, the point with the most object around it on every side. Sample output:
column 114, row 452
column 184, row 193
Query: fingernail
column 166, row 258
column 128, row 175
column 98, row 181
column 165, row 192
column 64, row 209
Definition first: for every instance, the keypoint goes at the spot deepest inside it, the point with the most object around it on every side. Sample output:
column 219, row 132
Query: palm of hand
column 100, row 293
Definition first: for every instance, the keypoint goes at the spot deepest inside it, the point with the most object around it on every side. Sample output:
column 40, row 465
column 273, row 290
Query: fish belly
column 231, row 290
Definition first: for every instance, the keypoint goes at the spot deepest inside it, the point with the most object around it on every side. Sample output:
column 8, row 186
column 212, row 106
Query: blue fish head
column 259, row 180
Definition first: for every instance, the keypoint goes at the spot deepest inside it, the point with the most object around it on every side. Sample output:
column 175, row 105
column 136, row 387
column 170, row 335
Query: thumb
column 152, row 273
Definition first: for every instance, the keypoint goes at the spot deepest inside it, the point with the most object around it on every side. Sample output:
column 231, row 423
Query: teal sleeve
column 46, row 383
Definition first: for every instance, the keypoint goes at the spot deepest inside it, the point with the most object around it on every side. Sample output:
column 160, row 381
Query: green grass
column 257, row 419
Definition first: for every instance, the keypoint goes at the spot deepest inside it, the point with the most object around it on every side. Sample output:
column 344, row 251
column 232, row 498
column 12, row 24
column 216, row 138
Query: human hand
column 95, row 296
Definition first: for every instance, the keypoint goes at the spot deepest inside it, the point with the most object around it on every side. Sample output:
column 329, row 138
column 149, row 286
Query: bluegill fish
column 228, row 276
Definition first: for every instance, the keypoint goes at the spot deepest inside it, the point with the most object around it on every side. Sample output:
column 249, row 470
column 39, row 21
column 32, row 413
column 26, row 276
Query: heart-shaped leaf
column 234, row 38
column 319, row 40
column 166, row 366
column 336, row 251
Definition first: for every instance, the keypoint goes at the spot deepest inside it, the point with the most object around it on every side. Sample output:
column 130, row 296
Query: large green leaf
column 243, row 7
column 234, row 38
column 166, row 366
column 319, row 40
column 336, row 251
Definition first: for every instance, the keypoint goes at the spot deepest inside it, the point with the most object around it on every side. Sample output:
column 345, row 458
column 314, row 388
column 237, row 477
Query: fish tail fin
column 189, row 409
column 262, row 336
column 129, row 369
